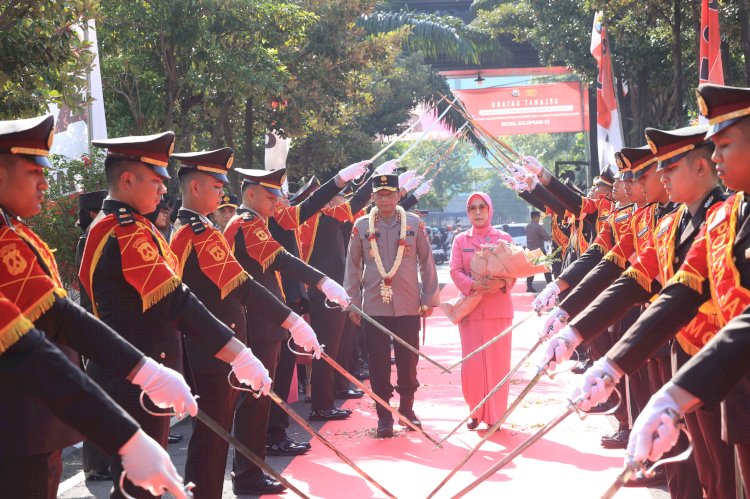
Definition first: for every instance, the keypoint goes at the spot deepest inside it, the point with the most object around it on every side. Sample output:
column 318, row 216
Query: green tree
column 56, row 223
column 43, row 58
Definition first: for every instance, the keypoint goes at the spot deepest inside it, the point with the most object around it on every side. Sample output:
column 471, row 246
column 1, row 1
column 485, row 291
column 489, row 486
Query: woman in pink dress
column 481, row 373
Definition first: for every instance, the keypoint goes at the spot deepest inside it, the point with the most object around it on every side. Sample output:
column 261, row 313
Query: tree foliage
column 43, row 58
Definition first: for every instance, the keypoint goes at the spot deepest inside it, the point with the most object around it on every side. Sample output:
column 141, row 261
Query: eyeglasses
column 476, row 207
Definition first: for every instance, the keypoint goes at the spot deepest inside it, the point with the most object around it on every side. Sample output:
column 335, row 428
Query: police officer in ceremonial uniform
column 226, row 210
column 131, row 277
column 322, row 246
column 686, row 168
column 263, row 257
column 31, row 437
column 29, row 360
column 388, row 252
column 717, row 266
column 208, row 266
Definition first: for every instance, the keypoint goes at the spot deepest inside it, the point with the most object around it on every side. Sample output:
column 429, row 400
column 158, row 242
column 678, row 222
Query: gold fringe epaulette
column 160, row 292
column 618, row 260
column 639, row 277
column 13, row 332
column 233, row 284
column 692, row 281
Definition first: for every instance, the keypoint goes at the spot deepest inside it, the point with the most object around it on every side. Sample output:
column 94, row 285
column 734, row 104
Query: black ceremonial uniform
column 264, row 336
column 207, row 451
column 283, row 229
column 157, row 330
column 324, row 247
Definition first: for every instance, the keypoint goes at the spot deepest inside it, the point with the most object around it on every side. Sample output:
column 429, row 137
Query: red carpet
column 568, row 462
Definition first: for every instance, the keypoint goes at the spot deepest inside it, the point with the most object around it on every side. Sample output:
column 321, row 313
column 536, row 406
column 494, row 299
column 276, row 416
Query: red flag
column 609, row 132
column 605, row 89
column 711, row 70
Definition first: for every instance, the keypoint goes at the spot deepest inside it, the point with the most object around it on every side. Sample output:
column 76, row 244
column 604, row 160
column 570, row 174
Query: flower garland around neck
column 386, row 291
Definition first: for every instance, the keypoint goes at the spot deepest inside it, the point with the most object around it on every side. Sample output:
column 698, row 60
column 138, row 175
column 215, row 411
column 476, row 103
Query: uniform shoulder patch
column 124, row 216
column 198, row 226
column 355, row 233
column 248, row 217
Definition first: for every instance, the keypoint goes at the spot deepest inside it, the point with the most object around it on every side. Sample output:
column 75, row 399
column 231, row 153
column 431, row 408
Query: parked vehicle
column 516, row 230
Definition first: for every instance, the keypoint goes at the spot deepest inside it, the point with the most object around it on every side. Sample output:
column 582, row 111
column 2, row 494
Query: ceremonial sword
column 353, row 308
column 500, row 336
column 633, row 466
column 307, row 427
column 496, row 388
column 232, row 440
column 572, row 407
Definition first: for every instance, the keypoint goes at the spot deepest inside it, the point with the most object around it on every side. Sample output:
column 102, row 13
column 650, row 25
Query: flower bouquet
column 502, row 260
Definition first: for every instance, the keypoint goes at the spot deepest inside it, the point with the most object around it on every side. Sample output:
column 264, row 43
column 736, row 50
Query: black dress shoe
column 412, row 418
column 175, row 438
column 659, row 478
column 98, row 475
column 618, row 440
column 264, row 485
column 329, row 414
column 287, row 447
column 349, row 393
column 362, row 374
column 472, row 424
column 385, row 429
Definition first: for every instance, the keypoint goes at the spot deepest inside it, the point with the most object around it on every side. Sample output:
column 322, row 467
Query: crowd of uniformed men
column 654, row 280
column 215, row 296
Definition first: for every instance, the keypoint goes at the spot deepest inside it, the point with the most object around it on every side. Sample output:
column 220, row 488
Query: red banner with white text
column 526, row 109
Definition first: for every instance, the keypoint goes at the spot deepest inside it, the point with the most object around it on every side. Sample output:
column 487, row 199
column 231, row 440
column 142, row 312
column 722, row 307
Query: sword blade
column 621, row 480
column 518, row 450
column 245, row 450
column 403, row 134
column 304, row 424
column 496, row 388
column 491, row 431
column 497, row 338
column 393, row 336
column 327, row 358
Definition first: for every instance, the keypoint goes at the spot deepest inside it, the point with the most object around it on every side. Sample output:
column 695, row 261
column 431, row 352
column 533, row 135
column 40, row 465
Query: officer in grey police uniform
column 395, row 301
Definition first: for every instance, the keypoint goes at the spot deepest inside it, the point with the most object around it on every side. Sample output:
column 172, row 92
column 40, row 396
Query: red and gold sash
column 287, row 217
column 630, row 241
column 13, row 325
column 23, row 280
column 726, row 287
column 215, row 258
column 558, row 236
column 259, row 243
column 308, row 231
column 148, row 263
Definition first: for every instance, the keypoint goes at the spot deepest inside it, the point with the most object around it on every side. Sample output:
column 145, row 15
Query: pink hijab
column 486, row 234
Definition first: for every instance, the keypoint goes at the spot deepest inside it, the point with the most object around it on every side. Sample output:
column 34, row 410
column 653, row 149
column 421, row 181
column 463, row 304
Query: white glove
column 655, row 431
column 166, row 388
column 561, row 346
column 148, row 466
column 250, row 371
column 354, row 171
column 515, row 185
column 556, row 319
column 592, row 385
column 518, row 171
column 423, row 189
column 334, row 292
column 547, row 298
column 406, row 178
column 532, row 164
column 304, row 336
column 387, row 168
